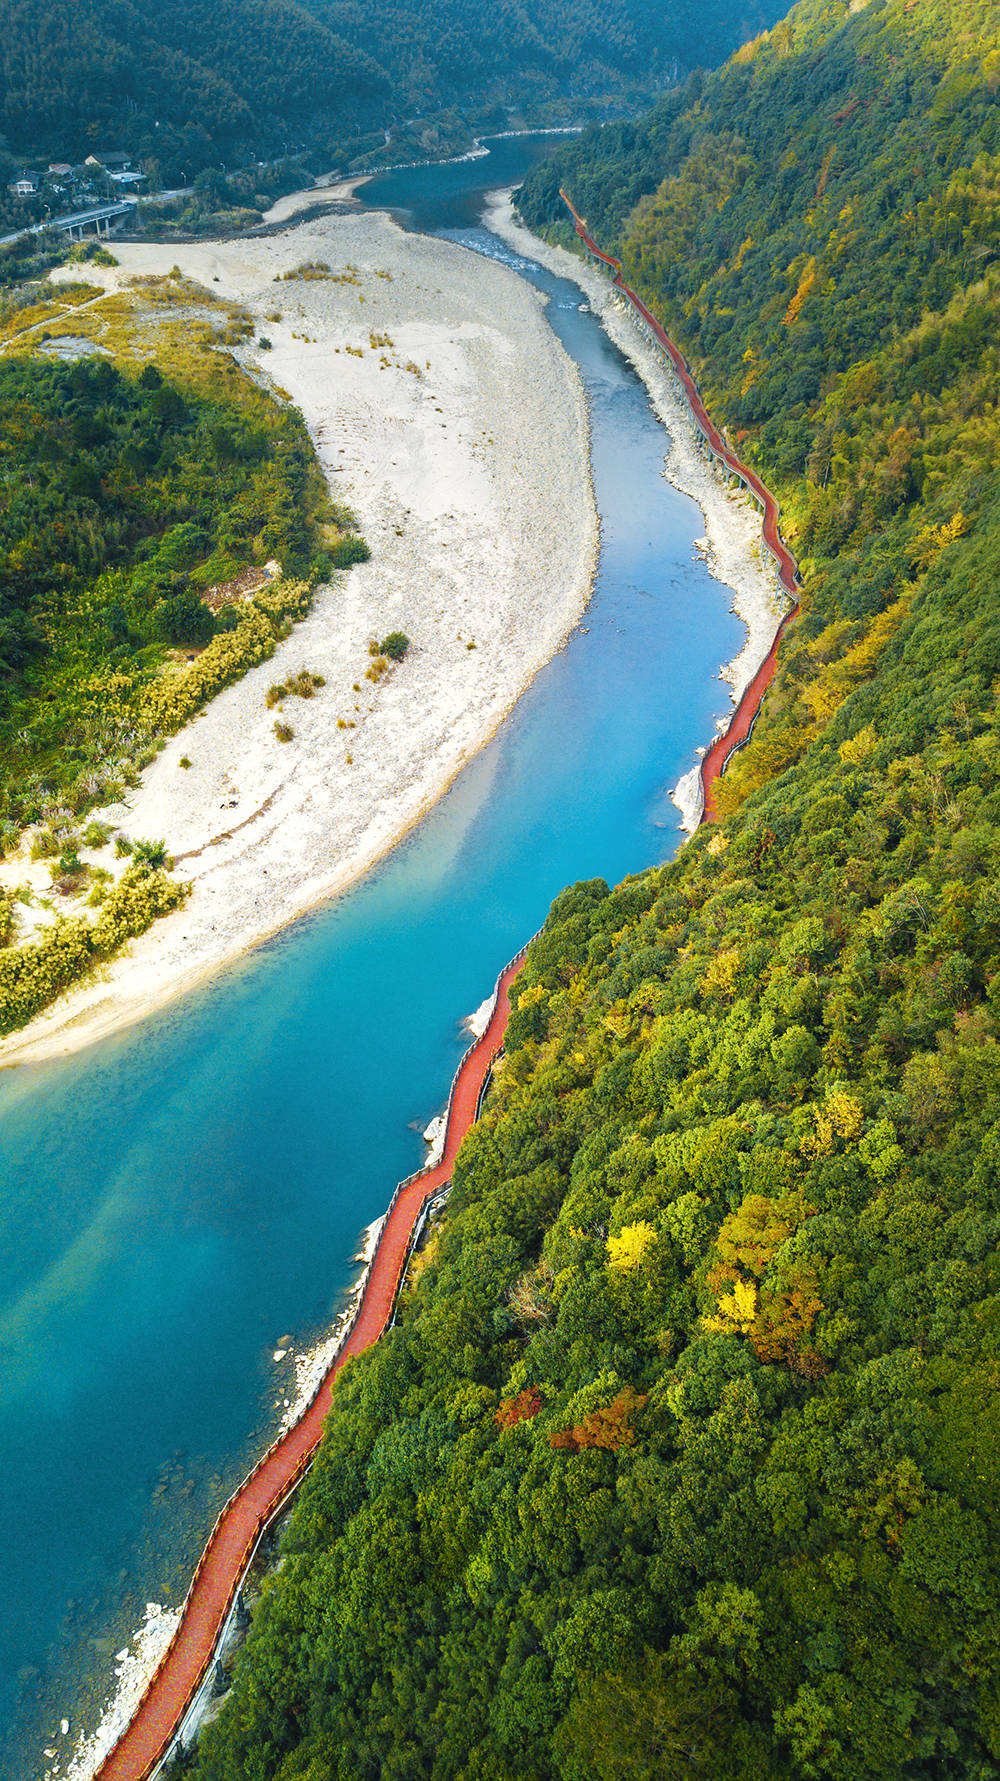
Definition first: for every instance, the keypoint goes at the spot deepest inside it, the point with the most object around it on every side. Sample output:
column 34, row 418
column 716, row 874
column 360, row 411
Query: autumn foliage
column 610, row 1428
column 520, row 1409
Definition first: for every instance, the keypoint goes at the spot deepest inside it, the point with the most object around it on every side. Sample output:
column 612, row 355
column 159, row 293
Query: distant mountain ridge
column 190, row 80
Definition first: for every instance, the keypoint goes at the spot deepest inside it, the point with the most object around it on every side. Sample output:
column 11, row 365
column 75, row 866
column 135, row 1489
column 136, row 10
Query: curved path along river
column 238, row 1530
column 745, row 715
column 181, row 1674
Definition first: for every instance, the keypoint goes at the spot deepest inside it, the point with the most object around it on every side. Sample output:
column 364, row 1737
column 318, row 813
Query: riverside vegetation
column 680, row 1459
column 326, row 79
column 135, row 482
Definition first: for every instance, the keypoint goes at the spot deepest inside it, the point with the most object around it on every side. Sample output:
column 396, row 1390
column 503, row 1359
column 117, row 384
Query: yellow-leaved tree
column 628, row 1250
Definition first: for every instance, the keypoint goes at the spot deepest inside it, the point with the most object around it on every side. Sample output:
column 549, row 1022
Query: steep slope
column 681, row 1458
column 190, row 84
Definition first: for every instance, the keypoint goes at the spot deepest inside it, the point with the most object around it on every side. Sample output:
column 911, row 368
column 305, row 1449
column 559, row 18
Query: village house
column 114, row 161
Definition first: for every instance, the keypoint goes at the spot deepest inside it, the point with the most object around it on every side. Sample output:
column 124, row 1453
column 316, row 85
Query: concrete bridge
column 99, row 217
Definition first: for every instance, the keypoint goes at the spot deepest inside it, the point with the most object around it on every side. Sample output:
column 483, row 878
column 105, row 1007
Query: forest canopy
column 164, row 524
column 186, row 84
column 680, row 1459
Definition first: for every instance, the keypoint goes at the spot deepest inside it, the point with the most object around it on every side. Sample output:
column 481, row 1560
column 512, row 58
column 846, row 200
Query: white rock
column 477, row 1022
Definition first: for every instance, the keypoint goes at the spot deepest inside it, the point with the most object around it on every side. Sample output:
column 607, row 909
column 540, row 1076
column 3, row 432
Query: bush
column 31, row 976
column 349, row 550
column 302, row 685
column 69, row 863
column 284, row 732
column 151, row 853
column 44, row 845
column 395, row 645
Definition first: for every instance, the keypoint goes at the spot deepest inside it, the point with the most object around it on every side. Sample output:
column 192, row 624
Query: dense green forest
column 186, row 84
column 136, row 479
column 126, row 497
column 680, row 1460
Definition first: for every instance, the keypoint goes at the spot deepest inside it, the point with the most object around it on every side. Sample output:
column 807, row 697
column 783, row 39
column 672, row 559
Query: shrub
column 348, row 551
column 31, row 976
column 301, row 685
column 96, row 833
column 395, row 645
column 69, row 863
column 150, row 853
column 44, row 845
column 284, row 732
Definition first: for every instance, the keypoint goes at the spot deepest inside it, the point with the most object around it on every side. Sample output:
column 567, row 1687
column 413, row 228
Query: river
column 179, row 1198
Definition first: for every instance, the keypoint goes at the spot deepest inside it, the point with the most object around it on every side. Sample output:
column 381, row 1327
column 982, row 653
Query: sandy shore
column 732, row 546
column 459, row 438
column 295, row 203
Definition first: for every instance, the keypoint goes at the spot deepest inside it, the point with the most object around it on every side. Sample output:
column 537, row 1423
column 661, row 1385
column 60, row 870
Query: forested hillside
column 152, row 493
column 681, row 1458
column 190, row 84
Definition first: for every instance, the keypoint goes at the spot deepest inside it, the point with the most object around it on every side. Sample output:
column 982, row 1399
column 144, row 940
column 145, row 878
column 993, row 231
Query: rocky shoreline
column 731, row 547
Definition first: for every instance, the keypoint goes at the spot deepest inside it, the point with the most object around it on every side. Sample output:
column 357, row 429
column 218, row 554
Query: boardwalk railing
column 132, row 1758
column 741, row 723
column 124, row 1762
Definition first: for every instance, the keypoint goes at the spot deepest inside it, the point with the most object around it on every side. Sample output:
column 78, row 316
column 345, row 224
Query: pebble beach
column 448, row 418
column 731, row 547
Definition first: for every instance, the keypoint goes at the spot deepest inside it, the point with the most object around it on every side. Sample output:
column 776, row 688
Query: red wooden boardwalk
column 743, row 718
column 223, row 1563
column 222, row 1566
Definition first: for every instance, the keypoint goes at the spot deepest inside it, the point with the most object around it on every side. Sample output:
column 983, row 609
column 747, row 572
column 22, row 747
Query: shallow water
column 179, row 1198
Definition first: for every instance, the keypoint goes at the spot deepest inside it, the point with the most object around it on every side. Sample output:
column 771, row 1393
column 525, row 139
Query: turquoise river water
column 177, row 1199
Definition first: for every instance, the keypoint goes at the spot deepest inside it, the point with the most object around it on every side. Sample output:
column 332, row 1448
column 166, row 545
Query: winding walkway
column 745, row 716
column 180, row 1676
column 176, row 1683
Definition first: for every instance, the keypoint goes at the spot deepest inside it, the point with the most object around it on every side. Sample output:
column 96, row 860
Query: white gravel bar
column 463, row 449
column 731, row 548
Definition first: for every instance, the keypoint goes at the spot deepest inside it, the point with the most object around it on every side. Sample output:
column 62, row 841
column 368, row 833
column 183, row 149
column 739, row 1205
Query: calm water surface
column 178, row 1199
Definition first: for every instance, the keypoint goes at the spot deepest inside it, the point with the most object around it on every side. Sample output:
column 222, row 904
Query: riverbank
column 176, row 1683
column 294, row 204
column 731, row 546
column 449, row 419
